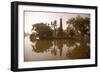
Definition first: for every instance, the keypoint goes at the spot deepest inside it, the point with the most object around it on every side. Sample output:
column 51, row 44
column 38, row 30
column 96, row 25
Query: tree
column 81, row 24
column 54, row 25
column 70, row 31
column 33, row 37
column 43, row 30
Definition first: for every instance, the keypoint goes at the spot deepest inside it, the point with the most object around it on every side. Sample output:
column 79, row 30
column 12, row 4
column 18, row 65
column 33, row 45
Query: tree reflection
column 73, row 49
column 70, row 42
column 42, row 45
column 80, row 52
column 51, row 46
column 57, row 45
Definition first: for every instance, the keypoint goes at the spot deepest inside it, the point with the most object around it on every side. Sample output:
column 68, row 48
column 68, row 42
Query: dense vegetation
column 78, row 28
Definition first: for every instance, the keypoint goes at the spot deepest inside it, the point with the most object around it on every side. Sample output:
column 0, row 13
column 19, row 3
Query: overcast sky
column 32, row 17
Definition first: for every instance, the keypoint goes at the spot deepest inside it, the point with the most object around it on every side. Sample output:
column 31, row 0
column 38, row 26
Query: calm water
column 42, row 50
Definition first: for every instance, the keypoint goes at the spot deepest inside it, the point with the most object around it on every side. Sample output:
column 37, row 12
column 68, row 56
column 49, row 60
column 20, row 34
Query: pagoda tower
column 60, row 30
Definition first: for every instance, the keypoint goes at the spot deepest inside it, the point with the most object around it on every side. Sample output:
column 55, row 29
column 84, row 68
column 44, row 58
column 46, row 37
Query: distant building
column 60, row 29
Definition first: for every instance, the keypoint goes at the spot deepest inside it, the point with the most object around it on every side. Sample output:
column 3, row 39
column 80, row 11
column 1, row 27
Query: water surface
column 43, row 50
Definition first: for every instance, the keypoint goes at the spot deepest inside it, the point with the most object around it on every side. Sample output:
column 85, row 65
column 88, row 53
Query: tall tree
column 54, row 25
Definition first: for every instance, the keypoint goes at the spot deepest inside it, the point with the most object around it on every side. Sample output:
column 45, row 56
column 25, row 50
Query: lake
column 62, row 49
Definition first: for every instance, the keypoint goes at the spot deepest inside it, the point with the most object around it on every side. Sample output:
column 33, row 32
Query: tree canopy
column 43, row 30
column 81, row 24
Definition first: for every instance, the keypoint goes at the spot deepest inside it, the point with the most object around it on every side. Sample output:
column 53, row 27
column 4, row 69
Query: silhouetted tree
column 32, row 37
column 81, row 24
column 43, row 30
column 54, row 25
column 70, row 31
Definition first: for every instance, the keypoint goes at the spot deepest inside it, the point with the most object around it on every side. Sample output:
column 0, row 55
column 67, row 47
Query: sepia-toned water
column 43, row 50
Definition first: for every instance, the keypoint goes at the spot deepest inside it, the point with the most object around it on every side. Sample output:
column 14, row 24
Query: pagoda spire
column 60, row 31
column 61, row 23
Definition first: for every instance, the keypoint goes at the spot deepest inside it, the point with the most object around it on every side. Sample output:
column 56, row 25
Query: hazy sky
column 32, row 17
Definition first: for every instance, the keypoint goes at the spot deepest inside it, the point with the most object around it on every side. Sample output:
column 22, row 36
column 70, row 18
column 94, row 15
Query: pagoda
column 60, row 30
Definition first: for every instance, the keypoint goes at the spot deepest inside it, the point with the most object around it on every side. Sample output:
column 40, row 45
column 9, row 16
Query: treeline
column 77, row 27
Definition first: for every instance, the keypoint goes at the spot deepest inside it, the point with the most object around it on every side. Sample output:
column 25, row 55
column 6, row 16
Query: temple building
column 60, row 30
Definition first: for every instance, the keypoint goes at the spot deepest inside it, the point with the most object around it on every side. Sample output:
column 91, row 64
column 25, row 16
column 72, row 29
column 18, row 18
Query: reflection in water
column 80, row 52
column 41, row 45
column 40, row 50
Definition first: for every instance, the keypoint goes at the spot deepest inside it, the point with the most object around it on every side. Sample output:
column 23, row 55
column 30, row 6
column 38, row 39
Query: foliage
column 43, row 30
column 32, row 37
column 81, row 24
